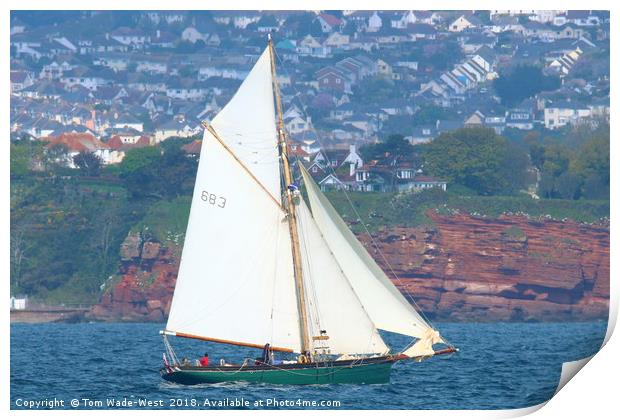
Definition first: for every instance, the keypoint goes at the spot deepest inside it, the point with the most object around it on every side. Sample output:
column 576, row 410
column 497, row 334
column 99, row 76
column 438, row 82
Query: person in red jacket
column 204, row 360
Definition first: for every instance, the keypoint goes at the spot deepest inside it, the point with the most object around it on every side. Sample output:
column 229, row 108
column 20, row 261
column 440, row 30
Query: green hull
column 361, row 371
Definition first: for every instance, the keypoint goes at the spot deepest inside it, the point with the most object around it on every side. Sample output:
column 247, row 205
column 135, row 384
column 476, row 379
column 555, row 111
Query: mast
column 290, row 207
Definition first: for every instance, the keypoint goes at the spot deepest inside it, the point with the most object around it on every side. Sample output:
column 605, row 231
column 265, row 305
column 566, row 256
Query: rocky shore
column 466, row 268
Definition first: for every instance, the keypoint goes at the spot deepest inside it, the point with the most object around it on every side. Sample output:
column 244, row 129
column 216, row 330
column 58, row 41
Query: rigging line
column 211, row 130
column 308, row 279
column 303, row 110
column 290, row 371
column 348, row 283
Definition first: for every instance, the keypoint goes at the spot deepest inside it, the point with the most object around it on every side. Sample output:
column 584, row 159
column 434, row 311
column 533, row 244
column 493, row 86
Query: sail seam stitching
column 245, row 168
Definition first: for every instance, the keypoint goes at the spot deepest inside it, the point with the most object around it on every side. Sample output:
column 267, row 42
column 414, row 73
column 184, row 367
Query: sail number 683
column 214, row 200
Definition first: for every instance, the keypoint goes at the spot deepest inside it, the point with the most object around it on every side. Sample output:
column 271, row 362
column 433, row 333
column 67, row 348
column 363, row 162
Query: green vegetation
column 478, row 159
column 521, row 82
column 381, row 210
column 573, row 171
column 65, row 236
column 161, row 172
column 166, row 220
column 66, row 228
column 426, row 115
column 88, row 163
column 375, row 89
column 67, row 225
column 516, row 233
column 394, row 149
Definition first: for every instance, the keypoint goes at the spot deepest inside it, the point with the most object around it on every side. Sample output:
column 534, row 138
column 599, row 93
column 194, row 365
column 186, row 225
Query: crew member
column 204, row 360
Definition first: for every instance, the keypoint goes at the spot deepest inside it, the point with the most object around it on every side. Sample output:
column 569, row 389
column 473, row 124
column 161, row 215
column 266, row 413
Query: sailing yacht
column 261, row 266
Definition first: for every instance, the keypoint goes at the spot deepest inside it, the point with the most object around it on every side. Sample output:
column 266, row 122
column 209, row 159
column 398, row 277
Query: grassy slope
column 64, row 224
column 380, row 210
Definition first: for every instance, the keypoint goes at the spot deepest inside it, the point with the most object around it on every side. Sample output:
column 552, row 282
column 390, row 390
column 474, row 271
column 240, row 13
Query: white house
column 296, row 125
column 193, row 35
column 405, row 19
column 374, row 23
column 177, row 127
column 464, row 22
column 18, row 304
column 152, row 66
column 129, row 36
column 563, row 113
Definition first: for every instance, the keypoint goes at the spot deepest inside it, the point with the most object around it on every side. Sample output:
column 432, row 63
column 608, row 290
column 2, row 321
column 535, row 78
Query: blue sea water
column 499, row 366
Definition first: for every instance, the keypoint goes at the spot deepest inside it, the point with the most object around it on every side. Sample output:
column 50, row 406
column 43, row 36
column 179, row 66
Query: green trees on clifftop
column 478, row 159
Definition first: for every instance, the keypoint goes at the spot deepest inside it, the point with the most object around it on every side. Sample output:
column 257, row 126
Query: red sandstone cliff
column 148, row 273
column 509, row 268
column 466, row 269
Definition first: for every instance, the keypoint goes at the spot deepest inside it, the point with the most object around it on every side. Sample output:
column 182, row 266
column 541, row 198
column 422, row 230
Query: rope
column 389, row 266
column 315, row 366
column 315, row 314
column 244, row 364
column 170, row 351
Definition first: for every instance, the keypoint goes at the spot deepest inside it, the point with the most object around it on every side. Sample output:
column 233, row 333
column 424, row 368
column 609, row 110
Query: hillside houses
column 344, row 169
column 76, row 143
column 357, row 73
column 465, row 76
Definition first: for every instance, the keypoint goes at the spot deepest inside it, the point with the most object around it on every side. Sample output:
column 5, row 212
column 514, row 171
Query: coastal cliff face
column 465, row 269
column 148, row 274
column 508, row 269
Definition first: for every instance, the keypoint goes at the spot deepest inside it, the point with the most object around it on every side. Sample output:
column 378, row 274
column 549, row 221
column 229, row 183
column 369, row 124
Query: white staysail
column 331, row 302
column 236, row 281
column 387, row 307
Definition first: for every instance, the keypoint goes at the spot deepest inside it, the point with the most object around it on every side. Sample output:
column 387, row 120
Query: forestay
column 331, row 302
column 387, row 307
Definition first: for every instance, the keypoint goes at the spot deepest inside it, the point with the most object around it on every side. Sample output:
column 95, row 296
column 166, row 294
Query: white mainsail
column 386, row 306
column 332, row 304
column 235, row 280
column 247, row 125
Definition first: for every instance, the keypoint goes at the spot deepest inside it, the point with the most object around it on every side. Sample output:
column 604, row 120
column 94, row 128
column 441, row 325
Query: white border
column 592, row 395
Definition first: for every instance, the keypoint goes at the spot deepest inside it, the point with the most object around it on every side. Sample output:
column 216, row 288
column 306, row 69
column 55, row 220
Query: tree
column 139, row 159
column 575, row 165
column 593, row 158
column 19, row 252
column 555, row 160
column 159, row 171
column 20, row 160
column 442, row 55
column 477, row 158
column 521, row 82
column 592, row 164
column 374, row 90
column 139, row 170
column 88, row 163
column 428, row 114
column 394, row 149
column 55, row 157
